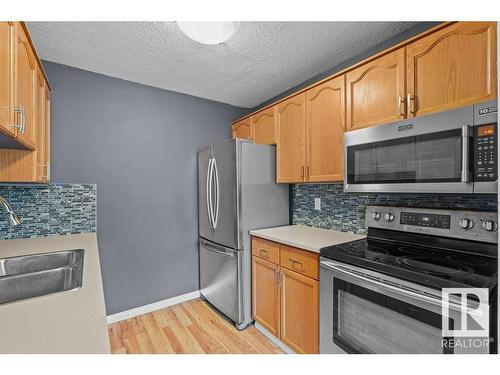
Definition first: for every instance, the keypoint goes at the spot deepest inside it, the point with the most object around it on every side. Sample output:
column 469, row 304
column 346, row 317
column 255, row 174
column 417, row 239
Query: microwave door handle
column 466, row 174
column 388, row 287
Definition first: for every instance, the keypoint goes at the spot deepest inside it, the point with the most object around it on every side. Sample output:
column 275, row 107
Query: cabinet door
column 265, row 295
column 325, row 131
column 47, row 133
column 376, row 90
column 291, row 135
column 264, row 127
column 243, row 129
column 299, row 312
column 26, row 87
column 7, row 98
column 452, row 67
column 42, row 136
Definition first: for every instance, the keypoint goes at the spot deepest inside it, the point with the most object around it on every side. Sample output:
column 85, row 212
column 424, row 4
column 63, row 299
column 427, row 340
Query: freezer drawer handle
column 215, row 250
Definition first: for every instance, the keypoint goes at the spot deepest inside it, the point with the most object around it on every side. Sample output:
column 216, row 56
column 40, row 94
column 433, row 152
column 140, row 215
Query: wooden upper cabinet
column 376, row 91
column 243, row 129
column 264, row 126
column 46, row 133
column 26, row 88
column 291, row 134
column 43, row 130
column 266, row 295
column 299, row 312
column 452, row 67
column 7, row 61
column 325, row 131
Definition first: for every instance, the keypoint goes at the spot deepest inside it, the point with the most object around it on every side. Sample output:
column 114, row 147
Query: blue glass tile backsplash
column 346, row 211
column 50, row 209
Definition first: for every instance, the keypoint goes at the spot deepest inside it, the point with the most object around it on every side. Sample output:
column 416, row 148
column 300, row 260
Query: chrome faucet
column 10, row 216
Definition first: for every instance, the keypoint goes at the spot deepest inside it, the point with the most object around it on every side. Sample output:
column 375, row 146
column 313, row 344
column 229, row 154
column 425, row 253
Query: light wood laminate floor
column 189, row 327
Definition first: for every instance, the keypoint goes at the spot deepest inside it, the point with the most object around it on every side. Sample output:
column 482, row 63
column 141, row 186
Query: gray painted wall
column 138, row 144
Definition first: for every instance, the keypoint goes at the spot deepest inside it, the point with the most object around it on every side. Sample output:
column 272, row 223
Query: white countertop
column 304, row 237
column 67, row 322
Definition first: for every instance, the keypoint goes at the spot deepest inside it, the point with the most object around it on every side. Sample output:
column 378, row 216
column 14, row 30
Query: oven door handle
column 389, row 287
column 466, row 135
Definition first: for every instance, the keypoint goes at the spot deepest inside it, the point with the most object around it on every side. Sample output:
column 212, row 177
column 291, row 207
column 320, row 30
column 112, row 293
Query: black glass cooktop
column 430, row 261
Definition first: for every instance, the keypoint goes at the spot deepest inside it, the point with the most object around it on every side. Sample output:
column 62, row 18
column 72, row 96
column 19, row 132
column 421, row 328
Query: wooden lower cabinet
column 299, row 312
column 286, row 302
column 266, row 295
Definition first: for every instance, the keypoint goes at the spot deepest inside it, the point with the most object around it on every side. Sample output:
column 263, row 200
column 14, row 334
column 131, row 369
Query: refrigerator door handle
column 216, row 215
column 209, row 192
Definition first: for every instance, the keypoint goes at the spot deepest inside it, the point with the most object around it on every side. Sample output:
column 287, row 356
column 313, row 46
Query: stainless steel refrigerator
column 236, row 193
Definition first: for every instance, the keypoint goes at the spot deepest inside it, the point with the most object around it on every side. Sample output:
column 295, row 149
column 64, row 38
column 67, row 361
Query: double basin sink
column 37, row 275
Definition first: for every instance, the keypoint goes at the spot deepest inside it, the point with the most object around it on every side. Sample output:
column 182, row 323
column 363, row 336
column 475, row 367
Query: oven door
column 362, row 314
column 428, row 154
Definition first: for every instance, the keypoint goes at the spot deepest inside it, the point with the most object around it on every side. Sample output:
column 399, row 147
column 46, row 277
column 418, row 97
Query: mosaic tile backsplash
column 346, row 211
column 50, row 209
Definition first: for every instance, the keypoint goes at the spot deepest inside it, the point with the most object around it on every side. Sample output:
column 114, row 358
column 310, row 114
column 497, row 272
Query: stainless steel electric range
column 384, row 294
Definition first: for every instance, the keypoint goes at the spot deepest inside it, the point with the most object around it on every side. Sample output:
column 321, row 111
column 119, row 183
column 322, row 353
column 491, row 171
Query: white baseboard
column 127, row 314
column 276, row 341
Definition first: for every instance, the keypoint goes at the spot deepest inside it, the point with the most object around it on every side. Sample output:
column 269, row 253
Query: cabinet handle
column 46, row 177
column 306, row 174
column 294, row 262
column 263, row 252
column 19, row 125
column 409, row 99
column 277, row 276
column 302, row 172
column 401, row 106
column 23, row 119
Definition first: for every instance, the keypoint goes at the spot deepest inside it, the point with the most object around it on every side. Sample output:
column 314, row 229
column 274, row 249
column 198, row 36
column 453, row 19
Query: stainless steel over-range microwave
column 448, row 152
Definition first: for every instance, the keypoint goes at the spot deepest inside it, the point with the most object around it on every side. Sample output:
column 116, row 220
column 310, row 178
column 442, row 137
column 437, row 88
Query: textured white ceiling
column 260, row 61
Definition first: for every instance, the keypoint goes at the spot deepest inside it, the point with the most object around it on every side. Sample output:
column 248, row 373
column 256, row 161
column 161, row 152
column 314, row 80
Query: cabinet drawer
column 265, row 249
column 301, row 261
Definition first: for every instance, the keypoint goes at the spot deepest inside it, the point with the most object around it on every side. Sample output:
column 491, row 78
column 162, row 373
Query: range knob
column 375, row 215
column 466, row 223
column 389, row 216
column 489, row 226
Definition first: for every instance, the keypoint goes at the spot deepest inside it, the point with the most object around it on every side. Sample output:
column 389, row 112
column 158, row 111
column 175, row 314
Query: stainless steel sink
column 41, row 274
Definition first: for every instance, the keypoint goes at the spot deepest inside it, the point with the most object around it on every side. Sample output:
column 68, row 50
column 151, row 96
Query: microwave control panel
column 485, row 152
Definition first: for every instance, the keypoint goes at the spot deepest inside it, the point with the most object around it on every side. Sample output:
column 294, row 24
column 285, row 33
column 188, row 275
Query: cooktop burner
column 414, row 250
column 468, row 260
column 433, row 265
column 357, row 250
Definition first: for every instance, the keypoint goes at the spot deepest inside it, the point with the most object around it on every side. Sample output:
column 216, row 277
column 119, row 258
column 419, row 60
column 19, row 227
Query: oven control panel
column 425, row 219
column 485, row 153
column 470, row 225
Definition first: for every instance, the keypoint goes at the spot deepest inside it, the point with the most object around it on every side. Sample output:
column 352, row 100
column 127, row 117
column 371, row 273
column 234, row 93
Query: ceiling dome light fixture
column 208, row 32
